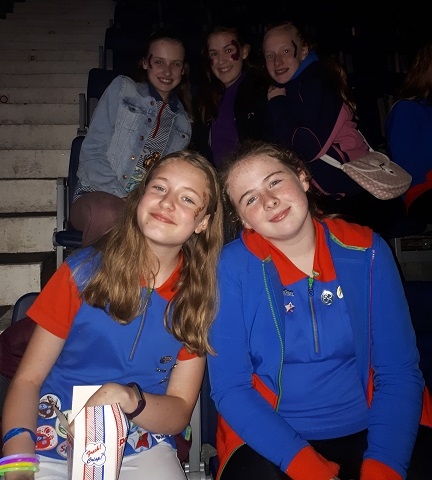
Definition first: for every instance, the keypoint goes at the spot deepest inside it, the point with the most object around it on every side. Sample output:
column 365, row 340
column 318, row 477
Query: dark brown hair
column 211, row 89
column 417, row 83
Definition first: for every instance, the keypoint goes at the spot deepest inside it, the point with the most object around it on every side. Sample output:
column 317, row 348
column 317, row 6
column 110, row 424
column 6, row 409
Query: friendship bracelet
column 19, row 457
column 4, row 470
column 18, row 464
column 13, row 432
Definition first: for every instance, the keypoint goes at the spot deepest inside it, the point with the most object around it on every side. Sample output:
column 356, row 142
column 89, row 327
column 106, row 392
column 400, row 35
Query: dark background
column 373, row 41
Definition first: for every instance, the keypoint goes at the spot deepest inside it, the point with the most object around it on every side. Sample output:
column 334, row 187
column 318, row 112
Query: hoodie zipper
column 141, row 327
column 313, row 316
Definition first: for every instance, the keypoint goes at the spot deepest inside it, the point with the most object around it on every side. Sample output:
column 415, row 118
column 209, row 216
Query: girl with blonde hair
column 130, row 313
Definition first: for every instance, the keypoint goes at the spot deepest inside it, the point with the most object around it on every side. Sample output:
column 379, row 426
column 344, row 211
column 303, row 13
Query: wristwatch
column 141, row 400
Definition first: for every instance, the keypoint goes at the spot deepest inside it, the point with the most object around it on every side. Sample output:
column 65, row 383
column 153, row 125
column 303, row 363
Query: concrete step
column 44, row 80
column 20, row 274
column 29, row 196
column 66, row 28
column 27, row 67
column 39, row 114
column 5, row 317
column 33, row 153
column 16, row 164
column 40, row 94
column 85, row 8
column 53, row 3
column 51, row 16
column 35, row 137
column 16, row 44
column 56, row 12
column 92, row 38
column 97, row 22
column 50, row 55
column 18, row 279
column 29, row 234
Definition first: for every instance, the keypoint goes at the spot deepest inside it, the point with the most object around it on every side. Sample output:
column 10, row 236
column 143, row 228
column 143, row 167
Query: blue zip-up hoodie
column 248, row 334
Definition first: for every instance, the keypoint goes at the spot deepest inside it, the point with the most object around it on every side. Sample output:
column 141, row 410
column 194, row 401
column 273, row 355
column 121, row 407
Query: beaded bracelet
column 13, row 432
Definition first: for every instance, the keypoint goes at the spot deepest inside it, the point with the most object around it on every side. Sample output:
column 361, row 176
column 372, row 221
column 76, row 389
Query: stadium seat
column 65, row 236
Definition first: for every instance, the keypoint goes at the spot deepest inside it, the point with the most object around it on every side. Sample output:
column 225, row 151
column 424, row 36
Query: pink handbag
column 376, row 173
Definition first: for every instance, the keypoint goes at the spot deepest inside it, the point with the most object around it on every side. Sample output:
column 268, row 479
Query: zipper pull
column 310, row 287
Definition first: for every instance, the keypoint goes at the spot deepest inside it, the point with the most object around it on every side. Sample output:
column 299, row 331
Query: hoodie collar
column 323, row 268
column 311, row 57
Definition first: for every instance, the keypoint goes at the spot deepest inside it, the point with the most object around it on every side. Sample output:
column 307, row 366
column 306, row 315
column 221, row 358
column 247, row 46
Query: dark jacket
column 305, row 119
column 249, row 110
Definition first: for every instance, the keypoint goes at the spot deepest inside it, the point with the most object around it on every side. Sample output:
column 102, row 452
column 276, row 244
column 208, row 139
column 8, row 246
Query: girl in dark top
column 231, row 99
column 311, row 110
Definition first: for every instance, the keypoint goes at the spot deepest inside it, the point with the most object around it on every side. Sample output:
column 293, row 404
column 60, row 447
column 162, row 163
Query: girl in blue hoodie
column 316, row 372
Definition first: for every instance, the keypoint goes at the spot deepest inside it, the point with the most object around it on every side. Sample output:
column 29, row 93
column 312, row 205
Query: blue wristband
column 13, row 432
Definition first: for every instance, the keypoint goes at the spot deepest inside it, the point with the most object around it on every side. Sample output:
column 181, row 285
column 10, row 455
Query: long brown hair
column 417, row 83
column 126, row 258
column 211, row 89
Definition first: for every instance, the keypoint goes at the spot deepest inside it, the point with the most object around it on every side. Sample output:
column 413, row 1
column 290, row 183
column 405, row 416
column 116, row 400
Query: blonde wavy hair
column 126, row 258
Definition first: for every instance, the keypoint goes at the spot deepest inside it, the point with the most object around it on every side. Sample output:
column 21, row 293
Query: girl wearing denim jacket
column 135, row 122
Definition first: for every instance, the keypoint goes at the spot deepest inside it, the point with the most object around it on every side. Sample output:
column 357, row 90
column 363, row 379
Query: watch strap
column 140, row 399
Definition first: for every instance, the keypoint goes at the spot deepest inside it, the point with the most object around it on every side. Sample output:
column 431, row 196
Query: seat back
column 97, row 82
column 22, row 305
column 72, row 178
column 65, row 236
column 203, row 462
column 418, row 293
column 123, row 50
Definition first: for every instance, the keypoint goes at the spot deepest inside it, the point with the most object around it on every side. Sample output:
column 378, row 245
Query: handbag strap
column 331, row 161
column 366, row 142
column 343, row 115
column 335, row 163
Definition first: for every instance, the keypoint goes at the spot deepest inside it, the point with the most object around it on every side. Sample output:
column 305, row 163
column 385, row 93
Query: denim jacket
column 119, row 129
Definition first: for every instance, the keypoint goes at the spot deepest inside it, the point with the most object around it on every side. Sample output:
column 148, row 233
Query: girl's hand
column 113, row 393
column 274, row 91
